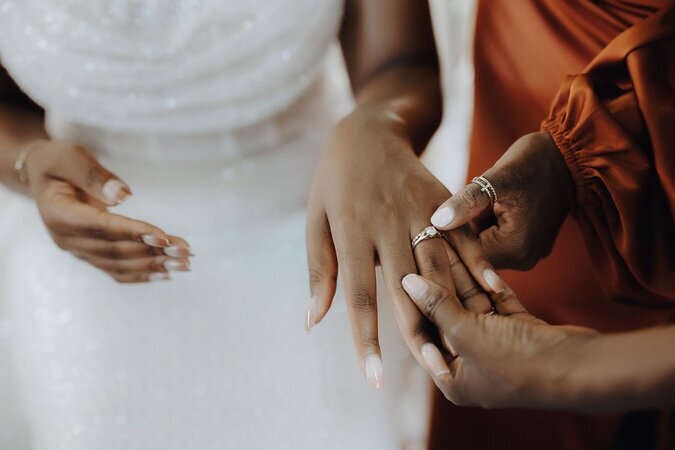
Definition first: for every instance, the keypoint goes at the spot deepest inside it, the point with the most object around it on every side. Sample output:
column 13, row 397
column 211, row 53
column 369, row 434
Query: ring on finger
column 486, row 186
column 429, row 232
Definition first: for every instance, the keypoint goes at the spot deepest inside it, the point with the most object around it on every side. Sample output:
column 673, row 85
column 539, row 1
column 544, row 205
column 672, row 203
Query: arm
column 21, row 122
column 392, row 62
column 605, row 152
column 371, row 195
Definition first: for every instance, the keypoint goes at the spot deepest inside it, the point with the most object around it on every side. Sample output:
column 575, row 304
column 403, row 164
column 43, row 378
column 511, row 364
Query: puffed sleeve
column 615, row 126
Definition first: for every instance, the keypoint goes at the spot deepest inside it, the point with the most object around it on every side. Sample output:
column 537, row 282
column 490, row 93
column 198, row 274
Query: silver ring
column 492, row 311
column 486, row 186
column 428, row 233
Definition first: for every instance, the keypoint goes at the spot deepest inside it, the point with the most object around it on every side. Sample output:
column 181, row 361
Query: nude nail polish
column 494, row 281
column 115, row 192
column 443, row 216
column 373, row 369
column 154, row 241
column 159, row 276
column 312, row 311
column 415, row 285
column 177, row 265
column 434, row 360
column 176, row 251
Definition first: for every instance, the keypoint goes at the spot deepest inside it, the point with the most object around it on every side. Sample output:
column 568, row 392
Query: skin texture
column 518, row 361
column 535, row 193
column 73, row 193
column 371, row 194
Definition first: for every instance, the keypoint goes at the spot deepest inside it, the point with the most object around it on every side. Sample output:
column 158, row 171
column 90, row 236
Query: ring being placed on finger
column 486, row 186
column 428, row 233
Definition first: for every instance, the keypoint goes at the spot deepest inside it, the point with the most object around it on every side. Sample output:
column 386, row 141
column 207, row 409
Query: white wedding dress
column 214, row 112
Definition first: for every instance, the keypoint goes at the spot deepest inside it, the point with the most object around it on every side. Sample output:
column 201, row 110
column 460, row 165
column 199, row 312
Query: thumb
column 78, row 166
column 461, row 208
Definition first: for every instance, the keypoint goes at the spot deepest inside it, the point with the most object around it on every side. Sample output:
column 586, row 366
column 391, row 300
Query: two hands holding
column 372, row 196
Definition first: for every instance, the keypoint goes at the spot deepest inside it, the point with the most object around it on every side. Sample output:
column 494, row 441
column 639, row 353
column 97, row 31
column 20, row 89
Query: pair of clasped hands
column 370, row 197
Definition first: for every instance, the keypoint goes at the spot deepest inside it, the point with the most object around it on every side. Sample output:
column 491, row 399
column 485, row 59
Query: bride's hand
column 371, row 195
column 73, row 191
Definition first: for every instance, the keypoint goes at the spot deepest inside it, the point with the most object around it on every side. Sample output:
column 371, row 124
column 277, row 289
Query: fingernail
column 176, row 251
column 154, row 241
column 177, row 265
column 373, row 366
column 159, row 276
column 434, row 360
column 415, row 285
column 494, row 281
column 312, row 310
column 443, row 216
column 115, row 192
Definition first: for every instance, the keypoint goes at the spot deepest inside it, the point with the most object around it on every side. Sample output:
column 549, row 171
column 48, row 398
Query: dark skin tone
column 515, row 359
column 371, row 194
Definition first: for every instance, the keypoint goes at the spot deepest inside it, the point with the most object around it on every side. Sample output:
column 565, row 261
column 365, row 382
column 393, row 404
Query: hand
column 508, row 360
column 535, row 193
column 370, row 197
column 73, row 191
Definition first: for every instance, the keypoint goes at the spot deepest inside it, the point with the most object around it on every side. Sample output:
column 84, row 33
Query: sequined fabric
column 214, row 112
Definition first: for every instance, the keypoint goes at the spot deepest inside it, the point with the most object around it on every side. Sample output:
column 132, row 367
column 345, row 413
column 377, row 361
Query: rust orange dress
column 599, row 76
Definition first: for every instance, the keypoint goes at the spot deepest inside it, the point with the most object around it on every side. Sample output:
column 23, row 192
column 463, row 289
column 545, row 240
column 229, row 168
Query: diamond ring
column 428, row 233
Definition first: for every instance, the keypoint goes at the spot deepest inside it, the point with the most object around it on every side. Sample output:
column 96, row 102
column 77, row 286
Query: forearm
column 411, row 94
column 626, row 371
column 18, row 127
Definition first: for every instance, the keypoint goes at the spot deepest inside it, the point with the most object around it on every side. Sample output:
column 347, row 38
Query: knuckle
column 470, row 292
column 370, row 342
column 317, row 276
column 362, row 300
column 94, row 175
column 112, row 251
column 431, row 265
column 432, row 302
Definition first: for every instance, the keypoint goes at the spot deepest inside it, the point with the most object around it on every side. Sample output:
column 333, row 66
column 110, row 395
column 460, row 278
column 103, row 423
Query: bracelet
column 20, row 164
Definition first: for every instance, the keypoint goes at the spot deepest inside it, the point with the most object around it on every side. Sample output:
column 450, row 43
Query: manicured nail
column 434, row 360
column 115, row 192
column 493, row 280
column 312, row 311
column 159, row 276
column 443, row 216
column 373, row 366
column 154, row 241
column 415, row 285
column 176, row 251
column 177, row 265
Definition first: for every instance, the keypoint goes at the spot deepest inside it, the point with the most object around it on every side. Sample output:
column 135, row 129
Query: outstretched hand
column 535, row 193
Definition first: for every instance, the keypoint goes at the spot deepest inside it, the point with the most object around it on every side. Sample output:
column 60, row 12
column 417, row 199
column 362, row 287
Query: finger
column 137, row 277
column 470, row 250
column 178, row 248
column 461, row 208
column 357, row 265
column 73, row 218
column 157, row 264
column 432, row 262
column 397, row 261
column 79, row 167
column 471, row 295
column 322, row 265
column 507, row 303
column 506, row 248
column 107, row 249
column 438, row 304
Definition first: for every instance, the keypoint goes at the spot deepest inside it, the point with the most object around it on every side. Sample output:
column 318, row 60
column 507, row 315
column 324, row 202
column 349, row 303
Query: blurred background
column 446, row 157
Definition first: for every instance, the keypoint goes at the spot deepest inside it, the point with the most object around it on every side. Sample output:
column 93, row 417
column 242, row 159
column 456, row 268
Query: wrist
column 560, row 171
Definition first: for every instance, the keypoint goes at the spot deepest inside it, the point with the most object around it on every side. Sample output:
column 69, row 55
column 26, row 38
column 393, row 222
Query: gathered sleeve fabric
column 615, row 126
